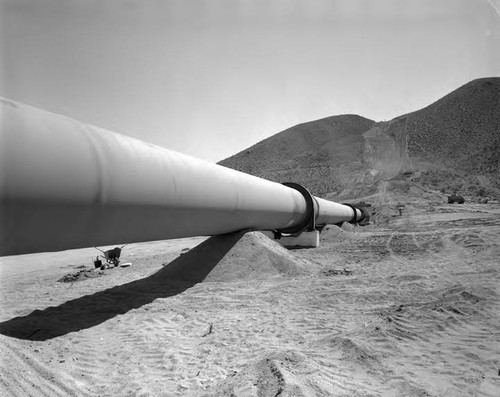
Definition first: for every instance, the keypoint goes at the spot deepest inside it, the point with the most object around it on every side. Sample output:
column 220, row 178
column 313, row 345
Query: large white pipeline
column 65, row 184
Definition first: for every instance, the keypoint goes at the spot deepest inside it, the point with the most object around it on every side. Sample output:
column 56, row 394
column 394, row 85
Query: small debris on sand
column 80, row 275
column 338, row 272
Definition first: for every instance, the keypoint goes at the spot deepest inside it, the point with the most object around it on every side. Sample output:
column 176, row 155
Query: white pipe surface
column 330, row 212
column 65, row 184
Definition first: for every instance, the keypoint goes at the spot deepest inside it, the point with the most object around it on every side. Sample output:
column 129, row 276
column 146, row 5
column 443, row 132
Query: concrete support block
column 303, row 240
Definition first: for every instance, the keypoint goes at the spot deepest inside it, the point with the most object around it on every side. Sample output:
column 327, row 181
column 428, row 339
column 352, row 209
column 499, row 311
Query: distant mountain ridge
column 452, row 144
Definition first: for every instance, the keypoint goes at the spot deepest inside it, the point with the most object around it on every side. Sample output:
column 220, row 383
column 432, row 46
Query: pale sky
column 212, row 77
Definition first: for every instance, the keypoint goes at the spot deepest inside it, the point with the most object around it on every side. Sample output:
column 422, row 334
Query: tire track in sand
column 449, row 334
column 149, row 351
column 23, row 374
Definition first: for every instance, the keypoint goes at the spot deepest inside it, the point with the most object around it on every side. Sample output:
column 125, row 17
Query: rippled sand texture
column 239, row 315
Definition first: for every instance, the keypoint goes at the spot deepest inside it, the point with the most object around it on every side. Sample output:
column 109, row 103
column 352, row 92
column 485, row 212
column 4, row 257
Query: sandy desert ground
column 416, row 312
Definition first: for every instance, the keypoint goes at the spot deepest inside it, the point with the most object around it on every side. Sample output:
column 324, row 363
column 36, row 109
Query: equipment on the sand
column 112, row 256
column 97, row 263
column 65, row 184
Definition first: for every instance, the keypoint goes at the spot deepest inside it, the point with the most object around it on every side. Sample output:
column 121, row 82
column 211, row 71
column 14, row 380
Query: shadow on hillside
column 91, row 310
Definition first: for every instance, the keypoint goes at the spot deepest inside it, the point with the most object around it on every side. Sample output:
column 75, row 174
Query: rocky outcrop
column 386, row 149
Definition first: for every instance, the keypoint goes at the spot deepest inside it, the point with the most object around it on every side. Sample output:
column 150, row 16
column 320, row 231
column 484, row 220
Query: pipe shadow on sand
column 91, row 310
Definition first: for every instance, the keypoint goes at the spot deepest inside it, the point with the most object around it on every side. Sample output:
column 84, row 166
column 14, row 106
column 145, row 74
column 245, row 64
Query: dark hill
column 460, row 136
column 451, row 145
column 319, row 154
column 461, row 130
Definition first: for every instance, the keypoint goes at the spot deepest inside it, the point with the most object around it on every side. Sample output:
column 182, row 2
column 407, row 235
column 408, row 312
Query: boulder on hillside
column 455, row 199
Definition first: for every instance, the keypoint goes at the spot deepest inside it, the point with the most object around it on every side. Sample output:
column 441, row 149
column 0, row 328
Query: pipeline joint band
column 309, row 219
column 354, row 220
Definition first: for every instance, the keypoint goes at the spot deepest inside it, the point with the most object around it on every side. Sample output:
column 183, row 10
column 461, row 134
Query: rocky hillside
column 452, row 145
column 320, row 154
column 459, row 138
